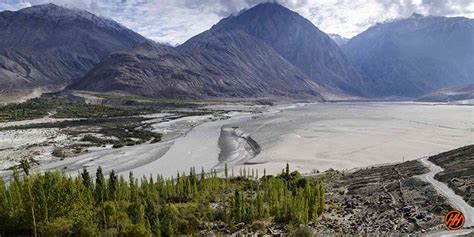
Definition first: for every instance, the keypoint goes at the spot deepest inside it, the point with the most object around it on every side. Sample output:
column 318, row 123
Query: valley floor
column 310, row 137
column 386, row 196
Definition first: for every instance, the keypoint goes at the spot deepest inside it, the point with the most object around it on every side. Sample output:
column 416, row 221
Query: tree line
column 55, row 204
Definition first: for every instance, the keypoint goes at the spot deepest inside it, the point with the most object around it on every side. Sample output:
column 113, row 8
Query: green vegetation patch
column 55, row 204
column 62, row 108
column 127, row 135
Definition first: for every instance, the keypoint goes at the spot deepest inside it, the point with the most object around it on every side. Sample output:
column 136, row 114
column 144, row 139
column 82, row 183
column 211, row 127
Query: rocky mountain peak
column 48, row 46
column 53, row 10
column 416, row 15
column 339, row 40
column 299, row 42
column 412, row 56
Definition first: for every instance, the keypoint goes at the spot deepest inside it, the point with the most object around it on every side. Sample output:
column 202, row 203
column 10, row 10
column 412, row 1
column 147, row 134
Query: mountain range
column 267, row 51
column 413, row 56
column 49, row 46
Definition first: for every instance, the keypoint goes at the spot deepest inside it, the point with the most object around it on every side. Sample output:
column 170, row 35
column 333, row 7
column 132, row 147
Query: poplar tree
column 53, row 203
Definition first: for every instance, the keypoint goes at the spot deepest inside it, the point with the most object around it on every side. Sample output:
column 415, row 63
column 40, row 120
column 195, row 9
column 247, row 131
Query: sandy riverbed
column 307, row 136
column 348, row 135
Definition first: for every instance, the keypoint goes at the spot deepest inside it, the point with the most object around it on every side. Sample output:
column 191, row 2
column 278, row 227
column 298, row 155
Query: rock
column 240, row 225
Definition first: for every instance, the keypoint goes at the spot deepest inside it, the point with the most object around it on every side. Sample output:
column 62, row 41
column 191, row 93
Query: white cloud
column 174, row 21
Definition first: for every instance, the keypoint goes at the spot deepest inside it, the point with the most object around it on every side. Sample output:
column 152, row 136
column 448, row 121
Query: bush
column 258, row 225
column 93, row 139
column 59, row 152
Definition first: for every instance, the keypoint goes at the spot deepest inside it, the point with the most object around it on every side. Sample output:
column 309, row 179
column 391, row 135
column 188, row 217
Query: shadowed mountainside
column 298, row 41
column 414, row 56
column 225, row 61
column 48, row 46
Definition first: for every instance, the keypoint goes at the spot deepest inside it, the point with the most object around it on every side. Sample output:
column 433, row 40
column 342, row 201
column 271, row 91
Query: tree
column 237, row 206
column 25, row 166
column 225, row 171
column 100, row 186
column 87, row 179
column 113, row 184
column 100, row 194
column 54, row 203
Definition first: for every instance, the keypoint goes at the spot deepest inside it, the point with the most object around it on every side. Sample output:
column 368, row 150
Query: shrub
column 59, row 152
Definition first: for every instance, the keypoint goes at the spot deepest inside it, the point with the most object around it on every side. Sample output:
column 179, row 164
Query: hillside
column 47, row 46
column 298, row 41
column 451, row 94
column 227, row 61
column 414, row 56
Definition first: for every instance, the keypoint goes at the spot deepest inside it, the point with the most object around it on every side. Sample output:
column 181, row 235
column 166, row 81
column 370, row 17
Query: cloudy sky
column 174, row 21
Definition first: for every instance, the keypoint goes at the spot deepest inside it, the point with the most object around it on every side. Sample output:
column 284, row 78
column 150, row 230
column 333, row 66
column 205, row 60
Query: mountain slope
column 227, row 65
column 413, row 56
column 299, row 42
column 220, row 62
column 48, row 46
column 463, row 93
column 339, row 40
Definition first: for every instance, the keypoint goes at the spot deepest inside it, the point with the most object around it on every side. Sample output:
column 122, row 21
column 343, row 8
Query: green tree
column 87, row 179
column 25, row 166
column 226, row 171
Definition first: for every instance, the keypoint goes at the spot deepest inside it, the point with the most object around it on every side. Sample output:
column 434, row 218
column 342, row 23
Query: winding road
column 453, row 199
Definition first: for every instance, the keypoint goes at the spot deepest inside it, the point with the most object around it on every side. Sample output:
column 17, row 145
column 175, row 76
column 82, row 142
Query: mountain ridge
column 415, row 55
column 48, row 46
column 231, row 60
column 264, row 51
column 163, row 71
column 339, row 40
column 300, row 42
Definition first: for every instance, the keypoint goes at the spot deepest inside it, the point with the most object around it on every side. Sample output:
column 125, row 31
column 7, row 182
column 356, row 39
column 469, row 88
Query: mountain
column 339, row 40
column 231, row 59
column 462, row 93
column 299, row 42
column 413, row 56
column 48, row 46
column 265, row 51
column 228, row 64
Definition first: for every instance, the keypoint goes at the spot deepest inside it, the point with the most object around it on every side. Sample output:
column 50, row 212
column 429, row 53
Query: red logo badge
column 454, row 220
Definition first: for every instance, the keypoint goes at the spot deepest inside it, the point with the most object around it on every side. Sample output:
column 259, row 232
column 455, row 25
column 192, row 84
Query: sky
column 175, row 21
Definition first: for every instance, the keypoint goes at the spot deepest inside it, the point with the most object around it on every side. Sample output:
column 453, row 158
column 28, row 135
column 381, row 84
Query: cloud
column 175, row 21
